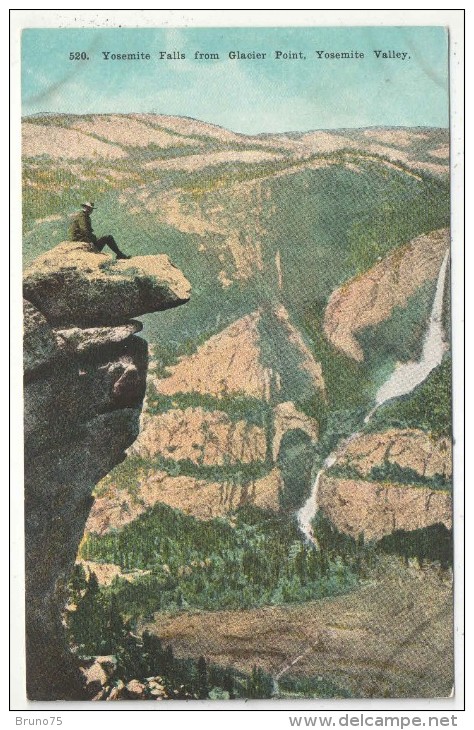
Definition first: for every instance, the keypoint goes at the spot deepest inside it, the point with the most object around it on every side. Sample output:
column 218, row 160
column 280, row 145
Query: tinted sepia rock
column 97, row 673
column 360, row 507
column 200, row 498
column 83, row 398
column 376, row 508
column 208, row 438
column 117, row 692
column 134, row 690
column 247, row 358
column 252, row 360
column 370, row 298
column 408, row 448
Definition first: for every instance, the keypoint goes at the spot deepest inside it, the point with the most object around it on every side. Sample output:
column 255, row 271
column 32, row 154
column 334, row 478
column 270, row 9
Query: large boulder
column 73, row 284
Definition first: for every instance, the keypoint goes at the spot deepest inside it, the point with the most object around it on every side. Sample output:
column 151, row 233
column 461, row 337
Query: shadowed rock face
column 357, row 504
column 84, row 389
column 75, row 285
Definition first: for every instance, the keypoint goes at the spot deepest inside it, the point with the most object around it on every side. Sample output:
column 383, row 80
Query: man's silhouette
column 81, row 230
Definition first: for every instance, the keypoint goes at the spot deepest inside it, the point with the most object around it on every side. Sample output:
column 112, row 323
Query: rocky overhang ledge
column 84, row 383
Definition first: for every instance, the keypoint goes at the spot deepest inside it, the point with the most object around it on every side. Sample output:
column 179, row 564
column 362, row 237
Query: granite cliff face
column 207, row 438
column 370, row 298
column 85, row 377
column 247, row 357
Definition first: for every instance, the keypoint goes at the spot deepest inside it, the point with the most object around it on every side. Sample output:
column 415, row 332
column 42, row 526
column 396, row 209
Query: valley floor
column 393, row 637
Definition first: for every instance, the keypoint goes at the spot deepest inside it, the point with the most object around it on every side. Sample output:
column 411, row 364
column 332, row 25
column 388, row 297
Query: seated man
column 81, row 230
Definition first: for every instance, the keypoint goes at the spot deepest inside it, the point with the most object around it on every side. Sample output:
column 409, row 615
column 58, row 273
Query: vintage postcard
column 237, row 342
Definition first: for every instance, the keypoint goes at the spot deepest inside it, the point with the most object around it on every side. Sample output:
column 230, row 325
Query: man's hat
column 88, row 205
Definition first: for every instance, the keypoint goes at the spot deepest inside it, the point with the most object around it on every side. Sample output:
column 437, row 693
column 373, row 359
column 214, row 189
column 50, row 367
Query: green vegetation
column 374, row 237
column 153, row 152
column 400, row 337
column 58, row 120
column 126, row 476
column 395, row 474
column 214, row 178
column 54, row 189
column 340, row 424
column 130, row 473
column 428, row 407
column 221, row 175
column 257, row 559
column 359, row 555
column 291, row 687
column 349, row 385
column 96, row 628
column 238, row 406
column 359, row 216
column 229, row 473
column 295, row 461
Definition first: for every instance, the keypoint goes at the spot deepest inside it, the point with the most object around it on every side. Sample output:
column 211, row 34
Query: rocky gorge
column 257, row 363
column 214, row 430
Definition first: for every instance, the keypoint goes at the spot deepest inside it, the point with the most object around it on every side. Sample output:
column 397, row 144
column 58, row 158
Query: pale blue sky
column 245, row 96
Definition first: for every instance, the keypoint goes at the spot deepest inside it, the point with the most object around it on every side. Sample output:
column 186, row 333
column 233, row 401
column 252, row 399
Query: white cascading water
column 402, row 381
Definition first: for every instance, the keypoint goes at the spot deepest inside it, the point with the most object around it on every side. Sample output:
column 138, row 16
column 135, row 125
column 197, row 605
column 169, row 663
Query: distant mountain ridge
column 143, row 129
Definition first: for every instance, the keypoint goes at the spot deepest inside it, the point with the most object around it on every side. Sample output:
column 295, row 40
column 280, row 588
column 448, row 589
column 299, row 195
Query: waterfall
column 402, row 381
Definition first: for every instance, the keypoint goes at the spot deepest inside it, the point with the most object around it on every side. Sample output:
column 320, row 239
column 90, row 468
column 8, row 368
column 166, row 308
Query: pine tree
column 228, row 683
column 203, row 687
column 78, row 582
